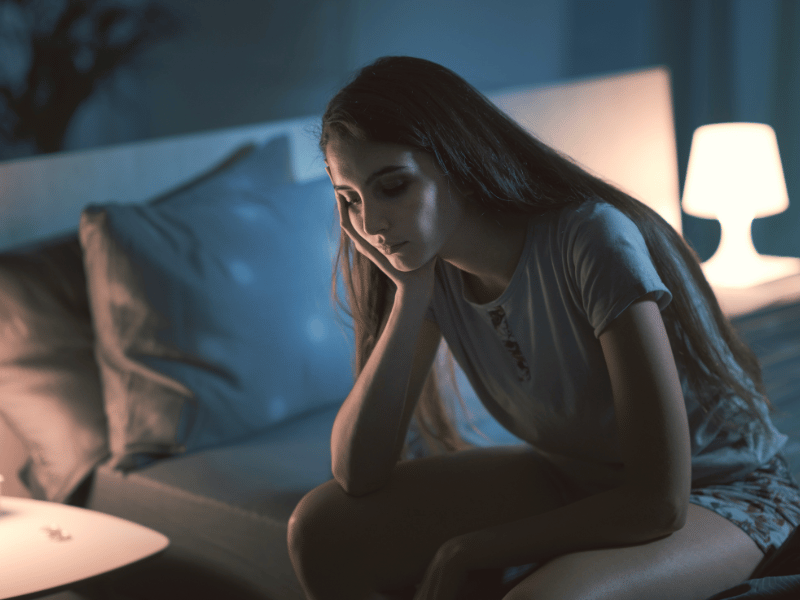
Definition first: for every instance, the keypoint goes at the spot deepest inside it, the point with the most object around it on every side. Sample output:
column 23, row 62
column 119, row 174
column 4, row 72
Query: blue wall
column 240, row 61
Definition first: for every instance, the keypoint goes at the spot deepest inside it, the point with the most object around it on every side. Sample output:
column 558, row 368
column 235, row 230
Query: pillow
column 212, row 310
column 50, row 393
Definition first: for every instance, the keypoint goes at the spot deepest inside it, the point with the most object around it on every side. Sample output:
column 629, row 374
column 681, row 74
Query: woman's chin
column 404, row 266
column 402, row 263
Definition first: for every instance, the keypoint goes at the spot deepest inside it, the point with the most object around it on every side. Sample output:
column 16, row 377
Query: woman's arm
column 371, row 425
column 650, row 408
column 654, row 437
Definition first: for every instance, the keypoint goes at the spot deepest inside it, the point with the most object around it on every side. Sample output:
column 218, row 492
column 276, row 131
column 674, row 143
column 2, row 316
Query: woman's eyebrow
column 375, row 175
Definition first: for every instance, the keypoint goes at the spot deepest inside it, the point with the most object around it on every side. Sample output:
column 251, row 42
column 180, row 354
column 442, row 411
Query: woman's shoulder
column 593, row 207
column 593, row 217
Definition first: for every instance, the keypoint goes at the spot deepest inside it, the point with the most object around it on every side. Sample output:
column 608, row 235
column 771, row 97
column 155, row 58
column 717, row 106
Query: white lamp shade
column 734, row 168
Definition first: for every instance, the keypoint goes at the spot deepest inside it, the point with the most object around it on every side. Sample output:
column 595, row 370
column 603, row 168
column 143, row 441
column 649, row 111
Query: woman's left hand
column 445, row 575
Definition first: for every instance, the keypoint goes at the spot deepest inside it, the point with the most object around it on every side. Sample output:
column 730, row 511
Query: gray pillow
column 212, row 310
column 50, row 392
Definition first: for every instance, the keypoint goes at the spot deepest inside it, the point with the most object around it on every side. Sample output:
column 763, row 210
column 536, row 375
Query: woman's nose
column 374, row 220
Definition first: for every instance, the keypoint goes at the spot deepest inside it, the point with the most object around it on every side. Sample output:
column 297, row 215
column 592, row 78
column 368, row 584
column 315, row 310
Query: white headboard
column 619, row 126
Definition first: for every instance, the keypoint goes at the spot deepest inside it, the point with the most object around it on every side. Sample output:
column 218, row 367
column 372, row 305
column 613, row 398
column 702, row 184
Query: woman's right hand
column 417, row 281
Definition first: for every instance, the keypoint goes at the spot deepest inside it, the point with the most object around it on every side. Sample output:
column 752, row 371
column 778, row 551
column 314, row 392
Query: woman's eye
column 395, row 188
column 347, row 201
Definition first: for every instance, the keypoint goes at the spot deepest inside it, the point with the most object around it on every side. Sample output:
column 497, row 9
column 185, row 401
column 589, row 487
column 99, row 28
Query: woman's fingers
column 361, row 244
column 343, row 214
column 347, row 225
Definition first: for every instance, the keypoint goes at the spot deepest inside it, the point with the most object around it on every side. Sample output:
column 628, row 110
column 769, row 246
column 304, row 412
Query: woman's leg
column 708, row 555
column 348, row 547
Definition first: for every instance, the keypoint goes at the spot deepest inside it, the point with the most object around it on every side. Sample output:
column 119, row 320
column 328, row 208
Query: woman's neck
column 487, row 250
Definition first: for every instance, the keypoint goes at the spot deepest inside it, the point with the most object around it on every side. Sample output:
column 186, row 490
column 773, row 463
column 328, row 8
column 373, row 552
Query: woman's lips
column 393, row 249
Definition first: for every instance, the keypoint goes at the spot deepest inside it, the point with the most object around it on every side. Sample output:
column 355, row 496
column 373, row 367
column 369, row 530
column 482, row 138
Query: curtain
column 730, row 60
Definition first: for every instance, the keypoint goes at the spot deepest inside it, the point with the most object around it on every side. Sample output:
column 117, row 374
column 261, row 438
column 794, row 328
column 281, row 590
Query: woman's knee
column 321, row 551
column 314, row 517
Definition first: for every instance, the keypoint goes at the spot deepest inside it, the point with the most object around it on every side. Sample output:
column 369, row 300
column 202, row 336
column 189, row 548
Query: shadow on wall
column 57, row 54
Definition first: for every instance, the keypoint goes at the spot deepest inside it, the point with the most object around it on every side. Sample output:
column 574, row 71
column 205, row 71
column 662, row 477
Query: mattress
column 225, row 511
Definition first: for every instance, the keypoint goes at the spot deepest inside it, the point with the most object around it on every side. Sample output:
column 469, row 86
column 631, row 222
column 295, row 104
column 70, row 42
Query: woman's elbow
column 671, row 514
column 665, row 513
column 678, row 514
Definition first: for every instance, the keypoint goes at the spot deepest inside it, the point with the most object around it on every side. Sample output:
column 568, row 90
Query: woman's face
column 397, row 199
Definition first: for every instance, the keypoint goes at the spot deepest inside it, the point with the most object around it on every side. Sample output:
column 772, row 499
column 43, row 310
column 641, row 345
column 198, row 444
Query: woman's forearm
column 617, row 517
column 365, row 432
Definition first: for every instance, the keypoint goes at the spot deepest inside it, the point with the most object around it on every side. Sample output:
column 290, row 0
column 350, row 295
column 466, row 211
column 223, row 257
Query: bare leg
column 349, row 547
column 708, row 555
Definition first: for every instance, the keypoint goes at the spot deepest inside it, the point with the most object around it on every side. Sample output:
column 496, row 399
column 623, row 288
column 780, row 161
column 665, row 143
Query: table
column 44, row 545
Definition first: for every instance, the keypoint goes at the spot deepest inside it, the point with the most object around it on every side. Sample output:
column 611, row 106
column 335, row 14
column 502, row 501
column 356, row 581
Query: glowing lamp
column 735, row 176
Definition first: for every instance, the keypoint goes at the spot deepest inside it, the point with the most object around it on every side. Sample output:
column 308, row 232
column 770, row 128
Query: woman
column 584, row 324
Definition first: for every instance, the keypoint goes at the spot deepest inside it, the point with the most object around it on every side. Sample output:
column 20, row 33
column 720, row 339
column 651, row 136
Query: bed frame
column 620, row 126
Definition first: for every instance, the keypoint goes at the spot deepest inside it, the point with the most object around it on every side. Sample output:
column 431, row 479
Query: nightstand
column 46, row 545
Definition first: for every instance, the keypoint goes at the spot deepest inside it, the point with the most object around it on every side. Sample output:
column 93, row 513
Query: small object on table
column 47, row 545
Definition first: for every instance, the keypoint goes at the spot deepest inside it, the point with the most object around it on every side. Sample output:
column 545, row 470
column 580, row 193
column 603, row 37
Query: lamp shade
column 734, row 167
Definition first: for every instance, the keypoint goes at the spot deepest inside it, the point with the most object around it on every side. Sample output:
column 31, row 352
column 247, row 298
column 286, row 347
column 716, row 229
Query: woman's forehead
column 348, row 148
column 354, row 159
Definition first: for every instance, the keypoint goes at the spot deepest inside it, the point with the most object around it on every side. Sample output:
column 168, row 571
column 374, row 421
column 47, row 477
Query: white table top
column 45, row 545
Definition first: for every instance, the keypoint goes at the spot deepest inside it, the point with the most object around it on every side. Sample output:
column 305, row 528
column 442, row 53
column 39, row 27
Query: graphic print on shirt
column 498, row 316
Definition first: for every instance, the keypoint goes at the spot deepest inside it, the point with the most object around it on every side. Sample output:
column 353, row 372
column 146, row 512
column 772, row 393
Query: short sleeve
column 609, row 264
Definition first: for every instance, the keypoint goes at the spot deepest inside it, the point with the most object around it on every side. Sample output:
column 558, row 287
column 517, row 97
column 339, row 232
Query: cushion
column 50, row 392
column 212, row 309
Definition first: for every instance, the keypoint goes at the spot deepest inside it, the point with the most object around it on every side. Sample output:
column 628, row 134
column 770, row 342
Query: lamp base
column 752, row 271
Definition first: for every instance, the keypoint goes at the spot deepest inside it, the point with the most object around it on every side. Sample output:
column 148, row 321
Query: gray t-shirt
column 535, row 362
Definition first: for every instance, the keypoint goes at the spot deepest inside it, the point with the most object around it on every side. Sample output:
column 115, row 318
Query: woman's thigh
column 708, row 555
column 393, row 533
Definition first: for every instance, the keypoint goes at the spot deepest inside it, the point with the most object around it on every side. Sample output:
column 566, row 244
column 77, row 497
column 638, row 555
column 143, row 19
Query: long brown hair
column 418, row 103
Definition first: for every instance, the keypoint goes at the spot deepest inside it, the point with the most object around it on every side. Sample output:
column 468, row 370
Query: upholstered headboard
column 620, row 126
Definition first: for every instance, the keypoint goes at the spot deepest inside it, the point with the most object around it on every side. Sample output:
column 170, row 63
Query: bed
column 225, row 505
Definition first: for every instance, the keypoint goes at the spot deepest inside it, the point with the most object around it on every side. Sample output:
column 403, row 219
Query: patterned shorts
column 765, row 504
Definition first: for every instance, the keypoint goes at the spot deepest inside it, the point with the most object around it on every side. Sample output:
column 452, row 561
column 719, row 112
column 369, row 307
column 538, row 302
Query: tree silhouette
column 62, row 50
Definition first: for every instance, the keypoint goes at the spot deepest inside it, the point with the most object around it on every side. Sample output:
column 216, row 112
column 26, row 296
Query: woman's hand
column 445, row 575
column 420, row 279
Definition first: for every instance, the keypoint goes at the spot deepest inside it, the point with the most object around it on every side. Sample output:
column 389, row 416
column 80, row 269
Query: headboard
column 619, row 126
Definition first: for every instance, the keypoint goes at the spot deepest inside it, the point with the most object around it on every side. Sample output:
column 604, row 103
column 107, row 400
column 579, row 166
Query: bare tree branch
column 84, row 45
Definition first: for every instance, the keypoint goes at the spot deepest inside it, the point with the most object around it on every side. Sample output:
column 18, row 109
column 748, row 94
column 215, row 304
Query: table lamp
column 735, row 176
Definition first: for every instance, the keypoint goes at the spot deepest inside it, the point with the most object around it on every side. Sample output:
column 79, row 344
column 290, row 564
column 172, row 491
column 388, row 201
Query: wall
column 239, row 61
column 242, row 61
